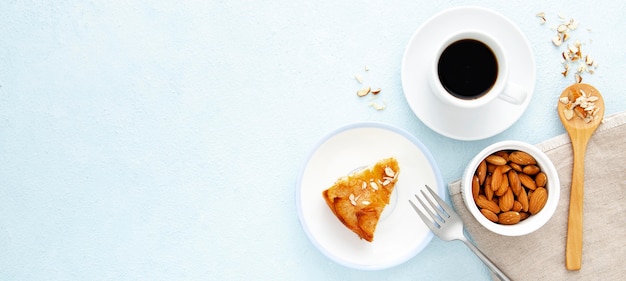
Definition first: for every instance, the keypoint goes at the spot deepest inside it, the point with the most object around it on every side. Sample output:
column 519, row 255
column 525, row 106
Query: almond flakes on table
column 367, row 90
column 572, row 58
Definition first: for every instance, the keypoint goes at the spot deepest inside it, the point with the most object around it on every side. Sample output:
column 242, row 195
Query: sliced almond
column 352, row 199
column 565, row 36
column 566, row 56
column 389, row 172
column 568, row 113
column 374, row 185
column 363, row 92
column 566, row 70
column 572, row 48
column 378, row 106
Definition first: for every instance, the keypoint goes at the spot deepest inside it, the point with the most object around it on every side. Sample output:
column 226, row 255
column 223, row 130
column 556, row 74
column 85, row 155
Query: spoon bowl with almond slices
column 581, row 109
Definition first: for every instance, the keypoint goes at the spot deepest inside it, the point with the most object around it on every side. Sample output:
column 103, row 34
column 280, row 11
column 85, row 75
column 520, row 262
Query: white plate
column 400, row 234
column 465, row 124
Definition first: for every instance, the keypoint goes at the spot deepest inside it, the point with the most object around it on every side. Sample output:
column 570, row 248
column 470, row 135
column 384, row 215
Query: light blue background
column 161, row 140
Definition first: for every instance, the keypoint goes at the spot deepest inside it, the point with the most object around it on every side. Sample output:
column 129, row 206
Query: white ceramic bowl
column 533, row 222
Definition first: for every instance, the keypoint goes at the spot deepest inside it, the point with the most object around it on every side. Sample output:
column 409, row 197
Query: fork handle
column 486, row 261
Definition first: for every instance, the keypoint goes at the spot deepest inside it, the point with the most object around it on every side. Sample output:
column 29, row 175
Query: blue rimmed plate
column 400, row 234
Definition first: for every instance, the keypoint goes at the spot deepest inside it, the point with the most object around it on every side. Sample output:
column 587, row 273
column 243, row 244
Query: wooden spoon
column 580, row 132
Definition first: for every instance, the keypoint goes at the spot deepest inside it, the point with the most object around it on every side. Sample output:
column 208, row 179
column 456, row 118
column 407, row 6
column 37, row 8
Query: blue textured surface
column 156, row 140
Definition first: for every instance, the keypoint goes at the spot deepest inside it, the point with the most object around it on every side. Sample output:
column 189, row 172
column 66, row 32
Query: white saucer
column 465, row 124
column 400, row 233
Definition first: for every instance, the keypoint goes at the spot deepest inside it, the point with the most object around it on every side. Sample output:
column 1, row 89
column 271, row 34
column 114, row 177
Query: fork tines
column 442, row 209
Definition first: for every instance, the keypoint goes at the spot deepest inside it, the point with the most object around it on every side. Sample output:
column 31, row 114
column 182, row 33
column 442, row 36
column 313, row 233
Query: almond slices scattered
column 572, row 54
column 367, row 90
column 562, row 30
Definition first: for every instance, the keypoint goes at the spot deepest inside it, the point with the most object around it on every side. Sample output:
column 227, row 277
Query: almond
column 521, row 158
column 504, row 186
column 531, row 170
column 504, row 154
column 496, row 179
column 516, row 167
column 481, row 172
column 505, row 169
column 491, row 168
column 527, row 181
column 509, row 217
column 475, row 187
column 483, row 203
column 495, row 160
column 514, row 182
column 506, row 201
column 541, row 179
column 537, row 200
column 523, row 215
column 522, row 197
column 517, row 206
column 487, row 189
column 489, row 215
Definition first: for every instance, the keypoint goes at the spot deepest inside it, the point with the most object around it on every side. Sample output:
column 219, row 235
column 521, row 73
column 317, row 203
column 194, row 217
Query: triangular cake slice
column 358, row 199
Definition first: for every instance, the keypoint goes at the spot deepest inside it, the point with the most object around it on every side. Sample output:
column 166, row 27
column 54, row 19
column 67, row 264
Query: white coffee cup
column 501, row 88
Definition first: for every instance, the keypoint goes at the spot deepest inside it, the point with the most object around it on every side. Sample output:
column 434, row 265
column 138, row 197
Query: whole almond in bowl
column 511, row 188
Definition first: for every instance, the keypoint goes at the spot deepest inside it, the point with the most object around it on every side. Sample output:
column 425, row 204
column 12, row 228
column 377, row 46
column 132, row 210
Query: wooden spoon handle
column 574, row 246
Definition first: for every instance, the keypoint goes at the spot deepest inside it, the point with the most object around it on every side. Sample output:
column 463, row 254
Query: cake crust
column 358, row 199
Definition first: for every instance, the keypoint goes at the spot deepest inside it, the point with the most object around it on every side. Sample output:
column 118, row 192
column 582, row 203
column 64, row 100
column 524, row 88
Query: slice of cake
column 358, row 199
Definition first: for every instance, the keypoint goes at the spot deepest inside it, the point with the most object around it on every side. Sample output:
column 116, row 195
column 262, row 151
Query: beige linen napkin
column 541, row 255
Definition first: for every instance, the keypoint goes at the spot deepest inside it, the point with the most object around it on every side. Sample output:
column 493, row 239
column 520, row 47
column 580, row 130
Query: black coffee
column 467, row 69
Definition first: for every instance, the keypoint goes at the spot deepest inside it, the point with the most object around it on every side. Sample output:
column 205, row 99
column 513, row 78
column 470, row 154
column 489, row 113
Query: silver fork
column 447, row 225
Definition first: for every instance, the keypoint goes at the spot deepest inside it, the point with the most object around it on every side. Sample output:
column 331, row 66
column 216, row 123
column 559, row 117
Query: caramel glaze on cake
column 358, row 199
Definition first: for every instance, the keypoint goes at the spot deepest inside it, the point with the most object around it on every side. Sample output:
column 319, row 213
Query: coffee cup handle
column 514, row 94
